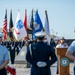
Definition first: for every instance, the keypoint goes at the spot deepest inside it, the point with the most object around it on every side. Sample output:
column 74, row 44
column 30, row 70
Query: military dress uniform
column 40, row 53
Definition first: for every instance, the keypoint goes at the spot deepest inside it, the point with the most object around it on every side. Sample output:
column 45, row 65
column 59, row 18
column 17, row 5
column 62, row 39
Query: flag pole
column 32, row 24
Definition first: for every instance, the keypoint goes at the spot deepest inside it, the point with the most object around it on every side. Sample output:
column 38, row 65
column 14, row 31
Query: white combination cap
column 40, row 34
column 1, row 34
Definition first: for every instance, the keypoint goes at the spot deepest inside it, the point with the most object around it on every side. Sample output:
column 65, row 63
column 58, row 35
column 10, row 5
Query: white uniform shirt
column 62, row 45
column 3, row 54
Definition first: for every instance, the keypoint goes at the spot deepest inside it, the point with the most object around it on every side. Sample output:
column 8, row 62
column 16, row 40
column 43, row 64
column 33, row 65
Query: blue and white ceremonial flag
column 47, row 28
column 19, row 29
column 38, row 26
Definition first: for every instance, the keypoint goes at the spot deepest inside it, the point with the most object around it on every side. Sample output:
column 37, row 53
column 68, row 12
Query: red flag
column 25, row 22
column 4, row 29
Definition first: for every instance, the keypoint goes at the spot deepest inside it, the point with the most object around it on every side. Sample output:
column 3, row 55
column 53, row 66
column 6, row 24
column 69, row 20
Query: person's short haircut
column 40, row 38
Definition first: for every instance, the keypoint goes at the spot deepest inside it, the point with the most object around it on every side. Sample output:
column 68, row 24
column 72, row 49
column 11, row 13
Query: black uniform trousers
column 3, row 72
column 12, row 56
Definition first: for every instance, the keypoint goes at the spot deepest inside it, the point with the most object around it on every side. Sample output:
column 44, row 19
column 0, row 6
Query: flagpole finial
column 10, row 9
column 18, row 10
column 32, row 10
column 45, row 11
column 25, row 9
column 6, row 10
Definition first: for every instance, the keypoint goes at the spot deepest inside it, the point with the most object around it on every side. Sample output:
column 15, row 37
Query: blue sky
column 61, row 13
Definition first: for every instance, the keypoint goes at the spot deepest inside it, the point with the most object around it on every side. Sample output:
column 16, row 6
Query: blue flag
column 37, row 23
column 37, row 26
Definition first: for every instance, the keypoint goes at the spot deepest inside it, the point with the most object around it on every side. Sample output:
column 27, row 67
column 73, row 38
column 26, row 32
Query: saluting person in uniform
column 38, row 56
column 4, row 57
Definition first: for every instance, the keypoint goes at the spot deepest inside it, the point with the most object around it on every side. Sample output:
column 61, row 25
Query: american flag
column 4, row 29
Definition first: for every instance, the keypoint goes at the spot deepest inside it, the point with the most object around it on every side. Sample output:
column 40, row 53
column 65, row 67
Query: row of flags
column 19, row 29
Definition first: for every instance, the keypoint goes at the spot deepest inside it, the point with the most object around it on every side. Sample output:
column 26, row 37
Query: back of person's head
column 40, row 38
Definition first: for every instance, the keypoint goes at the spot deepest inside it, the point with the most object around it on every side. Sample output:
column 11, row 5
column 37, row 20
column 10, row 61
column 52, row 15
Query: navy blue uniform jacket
column 40, row 52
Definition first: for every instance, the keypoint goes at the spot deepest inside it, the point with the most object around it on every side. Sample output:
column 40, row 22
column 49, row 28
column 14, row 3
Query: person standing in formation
column 41, row 56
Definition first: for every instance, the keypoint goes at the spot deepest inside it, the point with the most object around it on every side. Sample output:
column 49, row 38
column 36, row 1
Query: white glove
column 41, row 64
column 10, row 65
